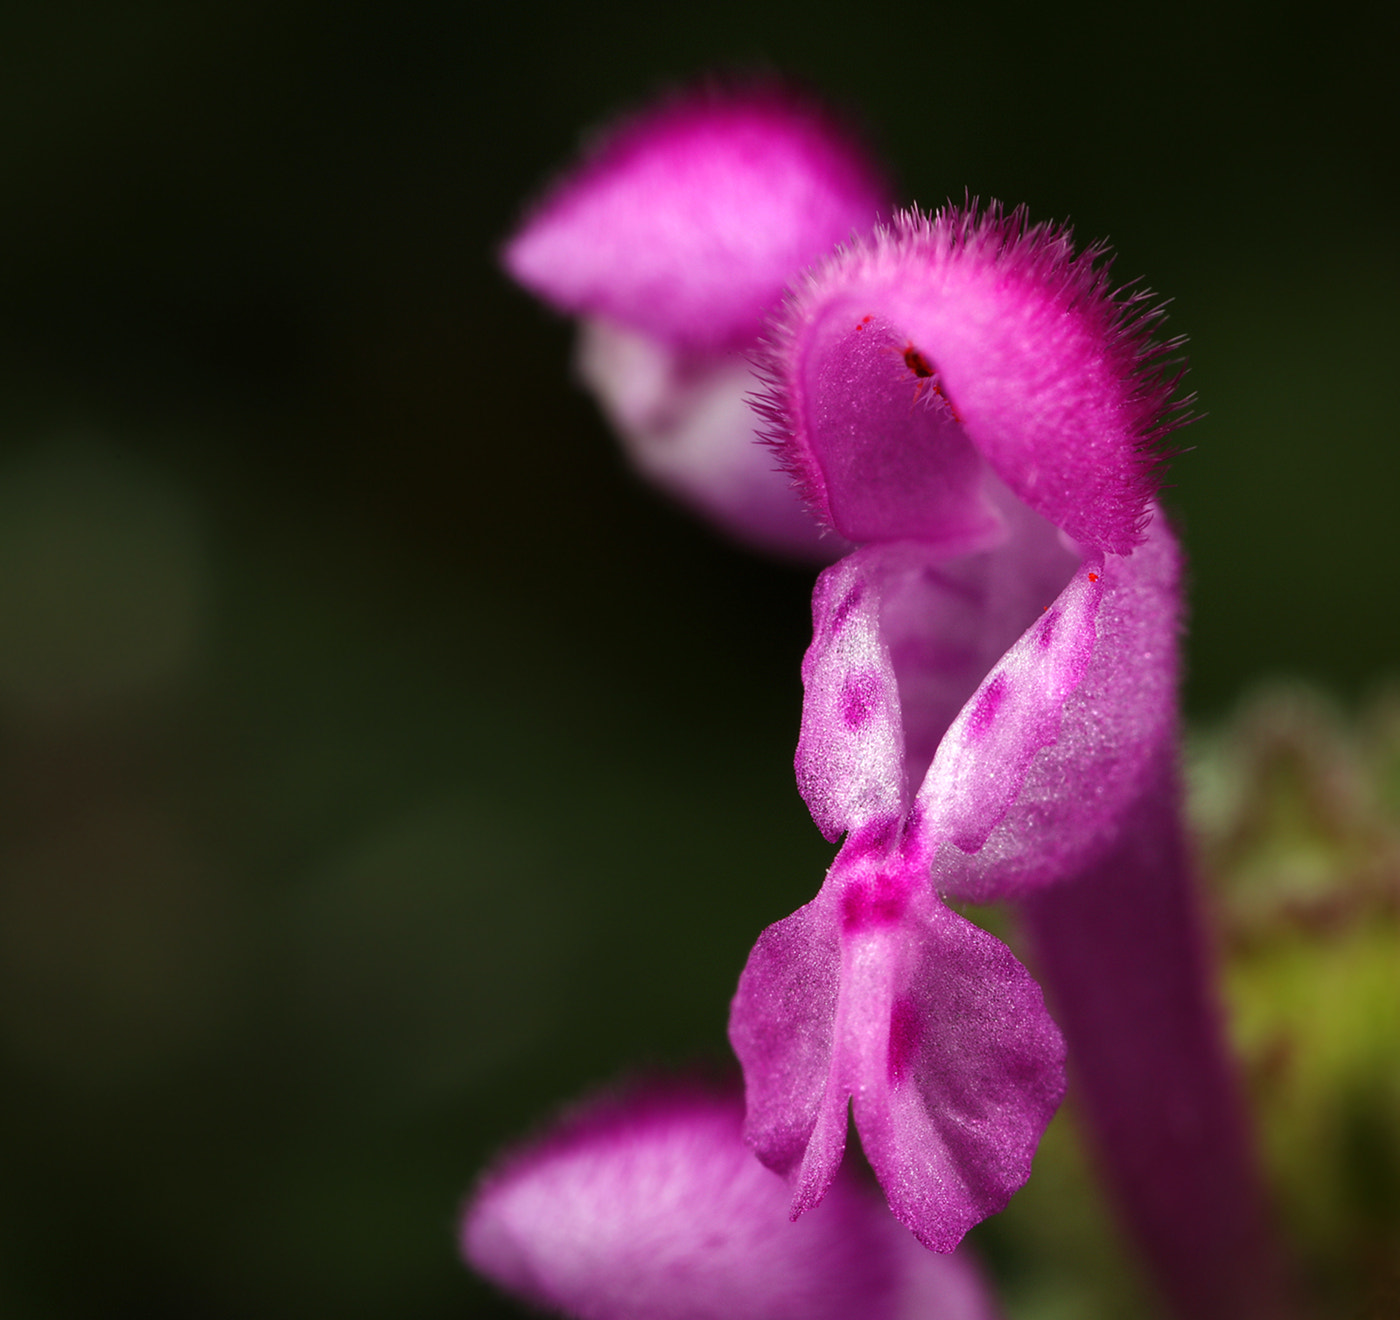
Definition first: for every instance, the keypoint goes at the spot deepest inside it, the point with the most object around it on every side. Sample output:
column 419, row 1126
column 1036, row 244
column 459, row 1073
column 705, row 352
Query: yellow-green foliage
column 1300, row 824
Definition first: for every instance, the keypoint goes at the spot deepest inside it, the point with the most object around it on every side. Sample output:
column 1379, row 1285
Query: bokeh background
column 381, row 764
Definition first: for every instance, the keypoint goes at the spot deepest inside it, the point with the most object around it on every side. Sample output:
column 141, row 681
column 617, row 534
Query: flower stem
column 1122, row 953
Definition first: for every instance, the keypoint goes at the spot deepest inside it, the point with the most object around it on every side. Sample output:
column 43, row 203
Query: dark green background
column 381, row 762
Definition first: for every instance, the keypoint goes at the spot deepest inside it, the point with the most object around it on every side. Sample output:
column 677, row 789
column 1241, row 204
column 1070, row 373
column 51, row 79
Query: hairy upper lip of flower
column 905, row 362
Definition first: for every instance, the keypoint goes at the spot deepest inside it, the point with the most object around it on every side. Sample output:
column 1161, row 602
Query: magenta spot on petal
column 904, row 1037
column 985, row 711
column 858, row 694
column 877, row 900
column 871, row 839
column 843, row 611
column 1047, row 628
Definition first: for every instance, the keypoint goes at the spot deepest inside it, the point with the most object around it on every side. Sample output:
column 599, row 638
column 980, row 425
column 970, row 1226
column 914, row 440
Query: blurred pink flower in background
column 671, row 243
column 647, row 1205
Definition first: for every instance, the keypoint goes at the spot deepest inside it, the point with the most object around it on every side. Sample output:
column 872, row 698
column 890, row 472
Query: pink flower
column 671, row 243
column 990, row 683
column 648, row 1206
column 990, row 708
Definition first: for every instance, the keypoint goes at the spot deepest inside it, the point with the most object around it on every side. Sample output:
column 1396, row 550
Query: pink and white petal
column 686, row 423
column 901, row 639
column 947, row 622
column 782, row 1025
column 984, row 758
column 688, row 220
column 1010, row 345
column 648, row 1206
column 957, row 1091
column 1071, row 802
column 850, row 753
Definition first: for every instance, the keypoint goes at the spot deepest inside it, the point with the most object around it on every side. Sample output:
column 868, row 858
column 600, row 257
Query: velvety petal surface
column 1073, row 797
column 968, row 336
column 850, row 753
column 957, row 1081
column 782, row 1025
column 648, row 1206
column 1018, row 709
column 952, row 1109
column 688, row 221
column 877, row 991
column 901, row 639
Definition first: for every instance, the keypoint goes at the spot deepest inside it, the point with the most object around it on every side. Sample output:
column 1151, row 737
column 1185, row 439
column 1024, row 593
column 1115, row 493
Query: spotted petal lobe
column 1115, row 722
column 956, row 1092
column 986, row 754
column 901, row 639
column 782, row 1026
column 850, row 753
column 877, row 991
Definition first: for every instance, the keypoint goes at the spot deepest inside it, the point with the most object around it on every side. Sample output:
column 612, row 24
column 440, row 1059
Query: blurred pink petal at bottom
column 648, row 1206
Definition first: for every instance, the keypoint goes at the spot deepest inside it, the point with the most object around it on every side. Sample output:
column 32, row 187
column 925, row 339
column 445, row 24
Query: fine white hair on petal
column 647, row 1205
column 1050, row 373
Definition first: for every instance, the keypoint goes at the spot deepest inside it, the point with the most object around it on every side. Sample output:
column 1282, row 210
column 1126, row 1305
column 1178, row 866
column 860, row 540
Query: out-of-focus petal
column 969, row 333
column 648, row 1206
column 688, row 221
column 1115, row 722
column 687, row 424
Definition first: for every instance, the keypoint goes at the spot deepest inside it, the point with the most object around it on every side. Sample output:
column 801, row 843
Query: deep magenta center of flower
column 874, row 898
